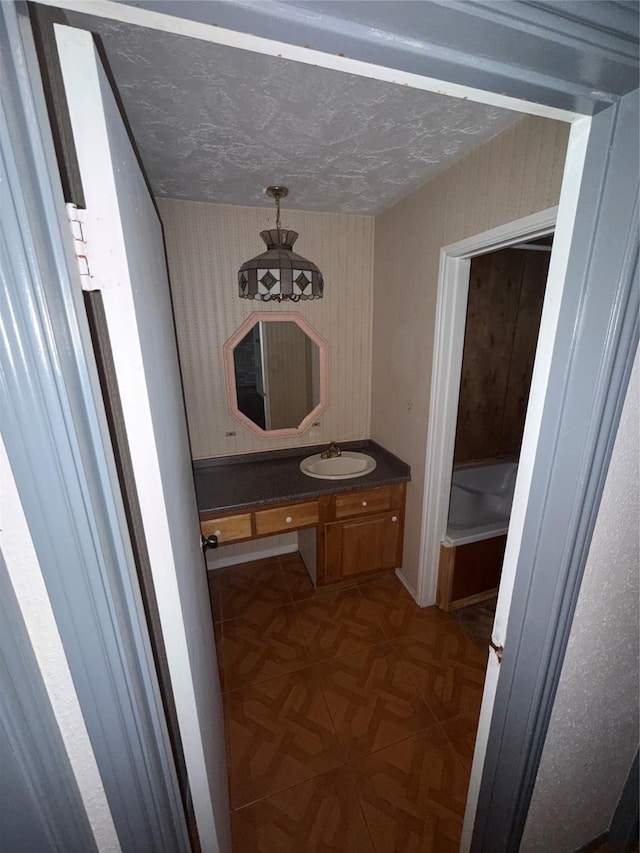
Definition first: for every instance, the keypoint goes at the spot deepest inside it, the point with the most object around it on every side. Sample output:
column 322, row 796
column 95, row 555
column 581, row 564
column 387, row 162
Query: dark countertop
column 259, row 479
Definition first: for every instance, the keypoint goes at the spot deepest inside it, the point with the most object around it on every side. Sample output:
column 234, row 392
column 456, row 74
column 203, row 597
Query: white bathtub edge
column 473, row 534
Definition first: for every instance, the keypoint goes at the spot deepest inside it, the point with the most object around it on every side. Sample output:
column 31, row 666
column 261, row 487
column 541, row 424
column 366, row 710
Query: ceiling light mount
column 279, row 273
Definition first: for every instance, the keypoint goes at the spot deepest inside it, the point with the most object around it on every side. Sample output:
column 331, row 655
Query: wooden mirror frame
column 232, row 394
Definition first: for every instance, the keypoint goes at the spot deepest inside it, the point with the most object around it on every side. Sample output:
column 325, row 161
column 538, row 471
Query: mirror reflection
column 277, row 375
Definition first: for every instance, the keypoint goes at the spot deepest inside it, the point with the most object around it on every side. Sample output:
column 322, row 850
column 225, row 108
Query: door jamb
column 55, row 439
column 451, row 309
column 452, row 263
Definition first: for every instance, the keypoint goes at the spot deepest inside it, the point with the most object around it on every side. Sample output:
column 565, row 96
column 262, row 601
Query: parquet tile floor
column 350, row 714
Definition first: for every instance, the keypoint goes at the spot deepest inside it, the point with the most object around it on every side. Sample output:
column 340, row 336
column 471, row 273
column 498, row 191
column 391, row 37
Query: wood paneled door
column 506, row 292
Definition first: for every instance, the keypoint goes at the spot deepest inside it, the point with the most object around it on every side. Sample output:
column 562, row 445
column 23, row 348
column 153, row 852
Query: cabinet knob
column 288, row 519
column 364, row 503
column 217, row 532
column 394, row 518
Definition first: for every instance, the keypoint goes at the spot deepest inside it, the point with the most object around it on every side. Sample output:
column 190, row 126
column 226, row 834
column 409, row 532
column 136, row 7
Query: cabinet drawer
column 286, row 518
column 228, row 529
column 361, row 503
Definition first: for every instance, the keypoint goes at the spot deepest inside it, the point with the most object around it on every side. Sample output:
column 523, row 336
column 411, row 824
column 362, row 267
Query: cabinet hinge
column 75, row 217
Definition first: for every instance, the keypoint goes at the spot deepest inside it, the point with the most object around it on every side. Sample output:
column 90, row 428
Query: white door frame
column 541, row 371
column 451, row 309
column 100, row 139
column 451, row 314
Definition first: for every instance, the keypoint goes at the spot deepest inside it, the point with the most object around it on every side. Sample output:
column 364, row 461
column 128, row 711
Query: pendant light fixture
column 279, row 273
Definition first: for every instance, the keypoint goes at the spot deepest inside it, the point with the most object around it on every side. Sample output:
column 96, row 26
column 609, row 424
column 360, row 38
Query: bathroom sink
column 349, row 464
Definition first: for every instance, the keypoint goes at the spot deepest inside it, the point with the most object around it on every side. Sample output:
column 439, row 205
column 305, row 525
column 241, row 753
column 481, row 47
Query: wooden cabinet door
column 362, row 545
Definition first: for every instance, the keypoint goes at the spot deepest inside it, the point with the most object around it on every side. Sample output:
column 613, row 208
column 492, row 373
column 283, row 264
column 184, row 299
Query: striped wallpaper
column 206, row 244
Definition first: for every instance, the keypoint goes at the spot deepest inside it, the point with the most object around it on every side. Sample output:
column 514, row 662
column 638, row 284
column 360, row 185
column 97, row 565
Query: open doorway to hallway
column 504, row 307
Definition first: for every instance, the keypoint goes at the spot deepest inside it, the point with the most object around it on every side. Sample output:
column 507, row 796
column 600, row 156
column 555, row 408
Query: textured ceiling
column 214, row 123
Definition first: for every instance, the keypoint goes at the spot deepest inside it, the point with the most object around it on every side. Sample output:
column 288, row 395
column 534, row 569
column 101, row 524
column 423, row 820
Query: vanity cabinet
column 356, row 533
column 366, row 535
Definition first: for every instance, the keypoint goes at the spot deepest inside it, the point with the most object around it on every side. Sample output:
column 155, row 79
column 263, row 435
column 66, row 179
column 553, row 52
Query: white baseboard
column 214, row 562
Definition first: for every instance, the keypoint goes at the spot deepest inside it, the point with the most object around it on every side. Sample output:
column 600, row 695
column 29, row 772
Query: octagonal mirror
column 276, row 370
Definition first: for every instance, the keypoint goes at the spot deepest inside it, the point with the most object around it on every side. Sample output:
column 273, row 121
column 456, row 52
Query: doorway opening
column 504, row 307
column 451, row 310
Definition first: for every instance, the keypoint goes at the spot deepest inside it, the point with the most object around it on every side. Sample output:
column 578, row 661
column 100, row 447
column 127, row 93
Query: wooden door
column 506, row 294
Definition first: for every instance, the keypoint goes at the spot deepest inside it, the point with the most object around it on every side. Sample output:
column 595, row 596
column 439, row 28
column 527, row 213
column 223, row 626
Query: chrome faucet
column 332, row 451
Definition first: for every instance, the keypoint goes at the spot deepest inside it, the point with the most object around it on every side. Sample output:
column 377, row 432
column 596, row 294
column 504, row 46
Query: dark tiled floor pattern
column 350, row 714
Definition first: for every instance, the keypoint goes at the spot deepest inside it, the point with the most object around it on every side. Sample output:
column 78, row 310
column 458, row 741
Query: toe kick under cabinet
column 343, row 535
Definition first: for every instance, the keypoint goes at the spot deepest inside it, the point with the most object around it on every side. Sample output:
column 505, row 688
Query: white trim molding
column 184, row 26
column 451, row 308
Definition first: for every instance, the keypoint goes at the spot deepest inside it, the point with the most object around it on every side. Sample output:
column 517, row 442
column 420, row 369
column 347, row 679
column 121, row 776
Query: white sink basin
column 349, row 464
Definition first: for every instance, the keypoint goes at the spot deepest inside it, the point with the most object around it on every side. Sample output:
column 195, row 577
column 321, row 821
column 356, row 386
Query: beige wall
column 206, row 244
column 515, row 174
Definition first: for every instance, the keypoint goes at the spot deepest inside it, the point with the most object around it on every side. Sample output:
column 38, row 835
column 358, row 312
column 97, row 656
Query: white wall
column 206, row 245
column 593, row 733
column 517, row 173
